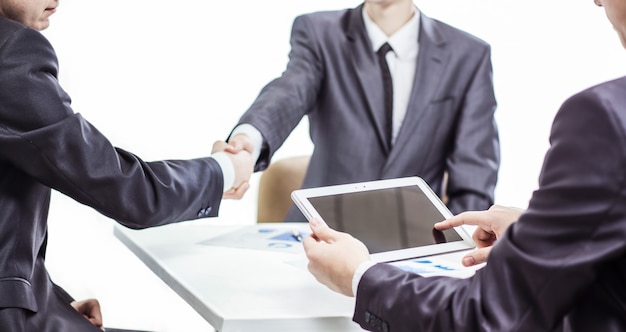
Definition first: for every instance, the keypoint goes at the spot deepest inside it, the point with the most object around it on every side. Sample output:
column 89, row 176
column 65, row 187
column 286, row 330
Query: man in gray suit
column 442, row 103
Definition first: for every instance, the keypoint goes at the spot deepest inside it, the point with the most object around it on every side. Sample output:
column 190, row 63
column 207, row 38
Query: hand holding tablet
column 393, row 218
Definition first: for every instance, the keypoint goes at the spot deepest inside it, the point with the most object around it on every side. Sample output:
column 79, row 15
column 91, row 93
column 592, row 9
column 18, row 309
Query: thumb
column 232, row 147
column 321, row 231
column 476, row 257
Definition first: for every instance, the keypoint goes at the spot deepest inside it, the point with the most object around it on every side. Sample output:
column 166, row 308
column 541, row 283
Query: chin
column 41, row 25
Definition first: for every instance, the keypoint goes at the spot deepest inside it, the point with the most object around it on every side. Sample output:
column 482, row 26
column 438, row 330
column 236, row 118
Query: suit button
column 207, row 211
column 376, row 322
column 201, row 213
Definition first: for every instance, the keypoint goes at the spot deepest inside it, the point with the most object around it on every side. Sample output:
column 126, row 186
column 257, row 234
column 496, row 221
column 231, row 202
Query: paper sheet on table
column 437, row 266
column 279, row 237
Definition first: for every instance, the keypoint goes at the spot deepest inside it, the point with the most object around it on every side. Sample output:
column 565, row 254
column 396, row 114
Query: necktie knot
column 382, row 51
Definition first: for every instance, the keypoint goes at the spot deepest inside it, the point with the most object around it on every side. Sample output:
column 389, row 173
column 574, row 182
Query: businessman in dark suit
column 44, row 145
column 437, row 118
column 560, row 267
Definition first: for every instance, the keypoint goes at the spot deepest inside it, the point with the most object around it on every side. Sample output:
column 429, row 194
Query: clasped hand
column 239, row 150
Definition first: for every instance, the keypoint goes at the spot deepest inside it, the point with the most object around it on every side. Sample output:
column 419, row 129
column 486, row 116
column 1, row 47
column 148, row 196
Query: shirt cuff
column 228, row 169
column 358, row 273
column 254, row 135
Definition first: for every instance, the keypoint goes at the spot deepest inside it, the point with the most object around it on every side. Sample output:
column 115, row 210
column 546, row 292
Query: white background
column 165, row 79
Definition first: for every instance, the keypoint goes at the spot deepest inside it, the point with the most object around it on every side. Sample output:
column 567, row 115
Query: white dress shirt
column 402, row 62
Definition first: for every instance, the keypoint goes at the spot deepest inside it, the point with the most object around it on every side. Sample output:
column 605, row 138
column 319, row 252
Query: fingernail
column 468, row 261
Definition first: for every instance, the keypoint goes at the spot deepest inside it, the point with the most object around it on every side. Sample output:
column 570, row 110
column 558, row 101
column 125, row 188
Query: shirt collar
column 403, row 42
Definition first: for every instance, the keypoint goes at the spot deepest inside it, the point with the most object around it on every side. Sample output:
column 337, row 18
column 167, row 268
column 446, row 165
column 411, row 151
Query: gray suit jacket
column 44, row 145
column 562, row 266
column 334, row 78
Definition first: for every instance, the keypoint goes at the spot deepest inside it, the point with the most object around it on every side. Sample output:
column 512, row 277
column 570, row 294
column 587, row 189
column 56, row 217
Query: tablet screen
column 385, row 219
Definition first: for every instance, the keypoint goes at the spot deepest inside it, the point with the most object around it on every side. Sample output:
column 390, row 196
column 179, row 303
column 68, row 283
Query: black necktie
column 388, row 90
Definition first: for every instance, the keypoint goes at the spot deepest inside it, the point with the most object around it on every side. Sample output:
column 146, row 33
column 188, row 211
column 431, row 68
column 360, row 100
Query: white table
column 238, row 289
column 240, row 283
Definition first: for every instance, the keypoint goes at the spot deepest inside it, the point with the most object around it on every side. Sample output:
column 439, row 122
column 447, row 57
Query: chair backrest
column 275, row 186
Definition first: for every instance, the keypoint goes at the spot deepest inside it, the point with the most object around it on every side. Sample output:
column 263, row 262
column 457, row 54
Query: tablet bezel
column 301, row 199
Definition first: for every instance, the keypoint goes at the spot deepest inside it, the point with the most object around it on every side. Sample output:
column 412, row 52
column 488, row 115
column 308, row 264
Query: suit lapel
column 359, row 50
column 431, row 61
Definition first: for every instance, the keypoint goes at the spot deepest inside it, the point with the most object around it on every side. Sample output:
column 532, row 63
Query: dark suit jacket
column 561, row 266
column 334, row 78
column 44, row 145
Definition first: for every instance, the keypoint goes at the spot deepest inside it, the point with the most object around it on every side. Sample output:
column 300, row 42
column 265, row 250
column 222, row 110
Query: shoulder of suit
column 7, row 24
column 618, row 83
column 328, row 21
column 452, row 33
column 603, row 100
column 26, row 44
column 613, row 91
column 326, row 16
column 9, row 28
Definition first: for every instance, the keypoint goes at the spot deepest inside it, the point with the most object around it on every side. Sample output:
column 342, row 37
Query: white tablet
column 394, row 218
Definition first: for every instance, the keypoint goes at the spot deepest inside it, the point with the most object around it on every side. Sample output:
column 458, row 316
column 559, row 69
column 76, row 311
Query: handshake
column 239, row 150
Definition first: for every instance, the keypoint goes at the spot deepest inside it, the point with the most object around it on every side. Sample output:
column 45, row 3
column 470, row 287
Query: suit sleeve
column 547, row 263
column 286, row 100
column 41, row 136
column 474, row 162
